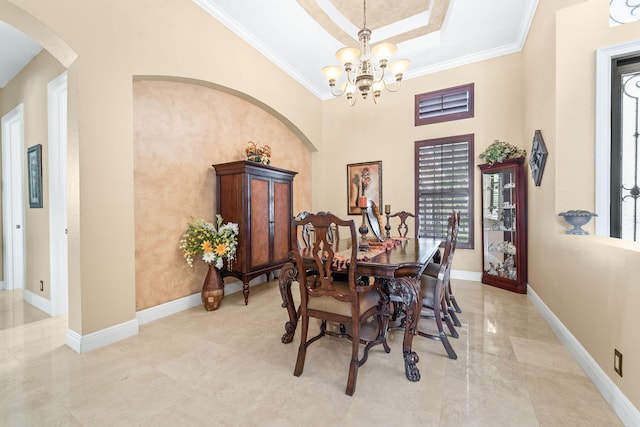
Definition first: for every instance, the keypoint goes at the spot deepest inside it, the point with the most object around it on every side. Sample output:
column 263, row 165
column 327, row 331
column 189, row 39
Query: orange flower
column 221, row 249
column 206, row 246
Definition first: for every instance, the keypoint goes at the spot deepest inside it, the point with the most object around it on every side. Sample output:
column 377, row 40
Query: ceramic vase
column 212, row 289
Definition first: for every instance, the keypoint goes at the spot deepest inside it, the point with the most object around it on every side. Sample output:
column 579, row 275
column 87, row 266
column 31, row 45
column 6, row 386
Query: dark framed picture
column 538, row 157
column 34, row 171
column 363, row 180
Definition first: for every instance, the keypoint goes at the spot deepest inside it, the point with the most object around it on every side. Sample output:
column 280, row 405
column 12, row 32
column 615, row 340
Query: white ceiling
column 296, row 40
column 16, row 51
column 302, row 36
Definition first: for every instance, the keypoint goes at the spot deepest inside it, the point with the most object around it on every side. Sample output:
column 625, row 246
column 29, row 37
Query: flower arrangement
column 500, row 151
column 213, row 242
column 362, row 183
column 257, row 153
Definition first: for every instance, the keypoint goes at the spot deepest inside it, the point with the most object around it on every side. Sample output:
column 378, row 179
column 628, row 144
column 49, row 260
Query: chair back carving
column 319, row 280
column 453, row 227
column 306, row 232
column 449, row 248
column 403, row 228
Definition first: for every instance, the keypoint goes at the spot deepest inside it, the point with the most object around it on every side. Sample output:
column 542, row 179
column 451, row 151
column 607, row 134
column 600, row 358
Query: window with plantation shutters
column 444, row 183
column 444, row 105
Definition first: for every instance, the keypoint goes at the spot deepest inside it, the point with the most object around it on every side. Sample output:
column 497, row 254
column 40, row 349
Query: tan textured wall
column 30, row 88
column 589, row 282
column 180, row 130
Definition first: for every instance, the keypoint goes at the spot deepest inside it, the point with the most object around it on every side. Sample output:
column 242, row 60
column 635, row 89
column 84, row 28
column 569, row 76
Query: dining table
column 397, row 265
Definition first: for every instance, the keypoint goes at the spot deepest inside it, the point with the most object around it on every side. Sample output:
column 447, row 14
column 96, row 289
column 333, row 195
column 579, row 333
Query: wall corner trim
column 84, row 343
column 37, row 301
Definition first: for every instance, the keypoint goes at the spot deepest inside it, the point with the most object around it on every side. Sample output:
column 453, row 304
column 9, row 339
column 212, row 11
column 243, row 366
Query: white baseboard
column 168, row 308
column 623, row 408
column 37, row 301
column 190, row 301
column 466, row 275
column 84, row 343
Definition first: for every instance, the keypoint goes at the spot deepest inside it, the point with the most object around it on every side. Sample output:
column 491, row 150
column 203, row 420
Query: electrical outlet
column 41, row 286
column 617, row 362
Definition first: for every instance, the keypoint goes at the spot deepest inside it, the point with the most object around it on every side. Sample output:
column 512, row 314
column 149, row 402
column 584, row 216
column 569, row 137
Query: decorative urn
column 577, row 218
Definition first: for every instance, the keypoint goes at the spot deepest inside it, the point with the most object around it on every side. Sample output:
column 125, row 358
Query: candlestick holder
column 364, row 230
column 387, row 227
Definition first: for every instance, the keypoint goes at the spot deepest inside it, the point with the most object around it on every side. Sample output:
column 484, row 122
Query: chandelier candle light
column 363, row 75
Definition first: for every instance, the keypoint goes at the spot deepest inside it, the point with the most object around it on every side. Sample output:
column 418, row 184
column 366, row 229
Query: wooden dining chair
column 434, row 267
column 403, row 230
column 322, row 296
column 403, row 227
column 433, row 295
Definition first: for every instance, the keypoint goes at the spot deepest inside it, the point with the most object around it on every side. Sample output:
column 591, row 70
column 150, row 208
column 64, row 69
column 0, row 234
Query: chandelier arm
column 395, row 87
column 338, row 93
column 351, row 78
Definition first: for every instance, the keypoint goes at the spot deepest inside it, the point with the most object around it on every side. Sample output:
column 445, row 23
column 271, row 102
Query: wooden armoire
column 259, row 198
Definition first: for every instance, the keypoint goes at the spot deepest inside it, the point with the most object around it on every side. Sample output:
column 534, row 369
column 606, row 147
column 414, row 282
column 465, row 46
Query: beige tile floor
column 229, row 368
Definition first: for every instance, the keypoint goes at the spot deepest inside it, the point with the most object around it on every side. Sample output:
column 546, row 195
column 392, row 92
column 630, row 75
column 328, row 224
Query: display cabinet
column 504, row 225
column 259, row 198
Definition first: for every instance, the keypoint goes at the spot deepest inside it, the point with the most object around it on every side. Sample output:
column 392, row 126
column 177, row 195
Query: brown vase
column 212, row 289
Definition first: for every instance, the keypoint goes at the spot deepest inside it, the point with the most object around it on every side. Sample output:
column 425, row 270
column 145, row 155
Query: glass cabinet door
column 503, row 235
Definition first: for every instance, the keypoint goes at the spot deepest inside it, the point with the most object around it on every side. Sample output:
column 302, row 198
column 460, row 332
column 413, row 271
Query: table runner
column 341, row 259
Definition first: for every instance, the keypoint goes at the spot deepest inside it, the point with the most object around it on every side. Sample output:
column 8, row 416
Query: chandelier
column 364, row 75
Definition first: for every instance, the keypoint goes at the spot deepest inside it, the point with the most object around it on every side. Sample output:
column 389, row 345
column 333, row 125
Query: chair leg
column 302, row 350
column 355, row 362
column 383, row 327
column 447, row 318
column 450, row 308
column 452, row 299
column 453, row 316
column 455, row 304
column 443, row 337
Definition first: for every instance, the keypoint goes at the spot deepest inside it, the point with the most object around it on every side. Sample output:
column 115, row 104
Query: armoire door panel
column 260, row 221
column 230, row 208
column 281, row 220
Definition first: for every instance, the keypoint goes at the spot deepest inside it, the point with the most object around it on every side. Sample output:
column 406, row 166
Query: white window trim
column 604, row 56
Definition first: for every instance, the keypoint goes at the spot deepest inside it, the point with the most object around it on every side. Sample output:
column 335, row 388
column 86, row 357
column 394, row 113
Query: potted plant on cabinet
column 499, row 151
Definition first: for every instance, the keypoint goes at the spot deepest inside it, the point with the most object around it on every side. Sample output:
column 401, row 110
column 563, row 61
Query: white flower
column 219, row 263
column 208, row 257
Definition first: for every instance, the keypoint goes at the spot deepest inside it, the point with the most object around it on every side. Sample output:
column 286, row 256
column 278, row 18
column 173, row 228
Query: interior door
column 13, row 197
column 57, row 156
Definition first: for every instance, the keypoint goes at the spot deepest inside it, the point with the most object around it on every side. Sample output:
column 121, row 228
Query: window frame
column 466, row 217
column 469, row 88
column 604, row 58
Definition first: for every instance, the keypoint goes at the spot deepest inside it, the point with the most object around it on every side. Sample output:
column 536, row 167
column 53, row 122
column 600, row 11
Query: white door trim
column 13, row 197
column 57, row 153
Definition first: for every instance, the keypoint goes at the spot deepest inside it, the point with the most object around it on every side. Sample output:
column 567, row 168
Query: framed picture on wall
column 363, row 179
column 538, row 157
column 34, row 170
